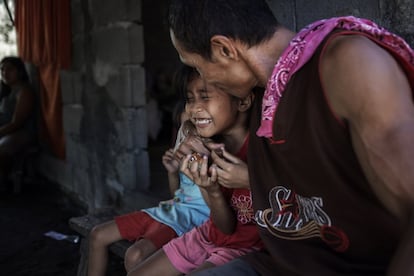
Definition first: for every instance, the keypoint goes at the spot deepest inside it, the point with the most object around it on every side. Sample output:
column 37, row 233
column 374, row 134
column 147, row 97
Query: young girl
column 153, row 227
column 230, row 231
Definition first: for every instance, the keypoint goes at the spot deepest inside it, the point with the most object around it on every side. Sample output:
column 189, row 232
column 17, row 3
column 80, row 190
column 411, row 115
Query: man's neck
column 263, row 57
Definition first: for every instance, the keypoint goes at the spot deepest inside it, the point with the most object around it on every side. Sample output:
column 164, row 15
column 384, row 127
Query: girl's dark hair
column 178, row 110
column 195, row 22
column 182, row 77
column 21, row 70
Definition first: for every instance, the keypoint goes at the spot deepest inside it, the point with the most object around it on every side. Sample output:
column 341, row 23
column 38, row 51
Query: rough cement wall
column 104, row 102
column 395, row 15
column 400, row 17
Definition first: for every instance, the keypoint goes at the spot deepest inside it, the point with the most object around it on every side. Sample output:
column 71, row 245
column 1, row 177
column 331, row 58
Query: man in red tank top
column 333, row 173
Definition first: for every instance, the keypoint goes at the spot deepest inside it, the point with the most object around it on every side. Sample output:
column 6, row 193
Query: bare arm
column 173, row 182
column 24, row 108
column 172, row 166
column 221, row 212
column 366, row 87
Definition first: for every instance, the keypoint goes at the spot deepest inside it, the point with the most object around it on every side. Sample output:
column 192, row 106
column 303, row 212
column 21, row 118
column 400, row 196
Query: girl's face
column 210, row 110
column 9, row 73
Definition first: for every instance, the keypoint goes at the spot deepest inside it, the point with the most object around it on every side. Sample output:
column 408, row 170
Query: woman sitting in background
column 17, row 114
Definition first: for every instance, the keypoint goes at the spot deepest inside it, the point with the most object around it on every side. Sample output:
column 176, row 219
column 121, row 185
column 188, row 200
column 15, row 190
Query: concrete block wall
column 400, row 17
column 104, row 99
column 395, row 15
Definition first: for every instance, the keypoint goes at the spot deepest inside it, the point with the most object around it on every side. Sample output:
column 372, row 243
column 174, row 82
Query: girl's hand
column 190, row 144
column 204, row 177
column 169, row 162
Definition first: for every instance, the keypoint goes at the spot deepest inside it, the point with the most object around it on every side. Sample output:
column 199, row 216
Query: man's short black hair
column 194, row 22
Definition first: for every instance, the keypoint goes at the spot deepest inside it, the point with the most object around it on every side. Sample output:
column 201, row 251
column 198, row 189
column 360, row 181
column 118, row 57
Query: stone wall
column 104, row 103
column 395, row 15
column 398, row 15
column 104, row 94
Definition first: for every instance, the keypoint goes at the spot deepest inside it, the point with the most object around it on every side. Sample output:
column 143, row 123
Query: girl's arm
column 172, row 166
column 221, row 213
column 173, row 182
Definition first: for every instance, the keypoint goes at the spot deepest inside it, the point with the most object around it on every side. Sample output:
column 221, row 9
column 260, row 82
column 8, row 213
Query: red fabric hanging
column 43, row 30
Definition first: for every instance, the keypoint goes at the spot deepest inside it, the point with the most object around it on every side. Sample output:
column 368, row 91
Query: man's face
column 232, row 77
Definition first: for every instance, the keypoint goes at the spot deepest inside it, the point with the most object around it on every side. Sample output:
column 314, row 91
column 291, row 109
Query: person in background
column 331, row 137
column 17, row 114
column 151, row 228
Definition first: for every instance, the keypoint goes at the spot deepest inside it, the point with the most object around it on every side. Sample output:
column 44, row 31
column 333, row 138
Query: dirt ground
column 24, row 218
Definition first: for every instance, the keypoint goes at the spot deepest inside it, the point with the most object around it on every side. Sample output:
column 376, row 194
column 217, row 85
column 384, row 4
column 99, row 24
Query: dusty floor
column 24, row 218
column 24, row 250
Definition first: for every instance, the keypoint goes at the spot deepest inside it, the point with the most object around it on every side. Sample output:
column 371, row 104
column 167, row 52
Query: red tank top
column 246, row 233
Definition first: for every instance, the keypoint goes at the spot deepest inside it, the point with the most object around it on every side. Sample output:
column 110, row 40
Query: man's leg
column 235, row 267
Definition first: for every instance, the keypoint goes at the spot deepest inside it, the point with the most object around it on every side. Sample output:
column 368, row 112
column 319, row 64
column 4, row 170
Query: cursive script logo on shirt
column 295, row 217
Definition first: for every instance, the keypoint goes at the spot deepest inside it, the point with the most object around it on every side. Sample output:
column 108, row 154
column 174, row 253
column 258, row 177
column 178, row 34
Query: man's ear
column 223, row 47
column 246, row 103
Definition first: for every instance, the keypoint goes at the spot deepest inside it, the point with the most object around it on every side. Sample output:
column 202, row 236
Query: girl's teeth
column 203, row 121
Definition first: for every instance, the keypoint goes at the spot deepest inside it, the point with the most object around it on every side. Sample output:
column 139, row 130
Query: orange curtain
column 44, row 39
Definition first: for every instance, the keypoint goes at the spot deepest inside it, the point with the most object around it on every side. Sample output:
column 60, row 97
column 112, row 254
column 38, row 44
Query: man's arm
column 367, row 88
